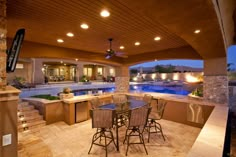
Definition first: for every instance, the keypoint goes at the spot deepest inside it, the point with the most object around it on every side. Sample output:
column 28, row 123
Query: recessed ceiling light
column 197, row 31
column 60, row 40
column 84, row 26
column 157, row 38
column 122, row 47
column 70, row 34
column 105, row 13
column 76, row 59
column 61, row 62
column 137, row 43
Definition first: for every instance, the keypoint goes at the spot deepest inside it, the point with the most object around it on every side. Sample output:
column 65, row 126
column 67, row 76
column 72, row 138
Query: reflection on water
column 179, row 90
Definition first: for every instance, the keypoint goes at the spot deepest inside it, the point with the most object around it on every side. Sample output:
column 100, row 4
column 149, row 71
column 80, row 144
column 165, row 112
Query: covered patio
column 141, row 32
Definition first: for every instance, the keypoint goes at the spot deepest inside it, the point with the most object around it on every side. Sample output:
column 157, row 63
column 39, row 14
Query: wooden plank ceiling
column 47, row 20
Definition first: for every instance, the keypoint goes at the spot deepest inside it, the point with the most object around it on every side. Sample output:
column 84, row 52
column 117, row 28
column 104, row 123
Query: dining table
column 122, row 109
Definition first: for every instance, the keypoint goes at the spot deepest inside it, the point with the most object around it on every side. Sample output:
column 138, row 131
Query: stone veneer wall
column 122, row 84
column 3, row 32
column 215, row 89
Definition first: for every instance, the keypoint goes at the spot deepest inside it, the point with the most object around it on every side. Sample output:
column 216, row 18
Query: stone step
column 25, row 108
column 23, row 103
column 27, row 113
column 29, row 119
column 31, row 126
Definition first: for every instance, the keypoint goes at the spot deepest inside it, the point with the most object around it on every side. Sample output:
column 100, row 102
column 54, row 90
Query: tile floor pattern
column 62, row 140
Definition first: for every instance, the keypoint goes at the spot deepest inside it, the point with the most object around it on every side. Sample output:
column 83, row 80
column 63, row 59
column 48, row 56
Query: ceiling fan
column 110, row 52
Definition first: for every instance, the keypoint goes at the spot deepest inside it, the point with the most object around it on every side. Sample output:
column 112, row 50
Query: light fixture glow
column 70, row 34
column 197, row 31
column 105, row 13
column 60, row 40
column 76, row 59
column 157, row 38
column 84, row 26
column 122, row 47
column 137, row 43
column 61, row 62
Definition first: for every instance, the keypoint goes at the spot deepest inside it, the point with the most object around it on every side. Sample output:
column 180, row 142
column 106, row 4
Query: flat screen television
column 13, row 52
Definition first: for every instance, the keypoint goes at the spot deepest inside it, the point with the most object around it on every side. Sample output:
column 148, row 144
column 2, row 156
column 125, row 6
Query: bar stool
column 95, row 102
column 103, row 120
column 155, row 115
column 137, row 121
column 147, row 98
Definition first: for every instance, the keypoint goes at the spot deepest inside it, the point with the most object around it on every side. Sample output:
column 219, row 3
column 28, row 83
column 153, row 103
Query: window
column 100, row 71
column 88, row 72
column 112, row 72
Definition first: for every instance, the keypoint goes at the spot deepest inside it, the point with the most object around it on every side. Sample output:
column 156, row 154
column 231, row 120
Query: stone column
column 3, row 47
column 122, row 79
column 215, row 80
column 79, row 71
column 106, row 71
column 38, row 76
column 8, row 95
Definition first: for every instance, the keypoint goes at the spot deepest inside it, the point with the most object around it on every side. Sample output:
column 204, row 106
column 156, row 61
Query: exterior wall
column 172, row 76
column 26, row 73
column 3, row 32
column 215, row 89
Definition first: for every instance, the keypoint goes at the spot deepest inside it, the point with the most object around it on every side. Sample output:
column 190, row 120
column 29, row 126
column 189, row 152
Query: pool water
column 179, row 90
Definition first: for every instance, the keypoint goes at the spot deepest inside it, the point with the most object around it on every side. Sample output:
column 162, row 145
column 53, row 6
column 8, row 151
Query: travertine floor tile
column 62, row 140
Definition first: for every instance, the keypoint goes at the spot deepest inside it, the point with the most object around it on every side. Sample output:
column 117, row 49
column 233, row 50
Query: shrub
column 198, row 92
column 46, row 96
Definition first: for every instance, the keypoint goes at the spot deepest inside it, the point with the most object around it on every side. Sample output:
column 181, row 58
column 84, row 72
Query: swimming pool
column 179, row 90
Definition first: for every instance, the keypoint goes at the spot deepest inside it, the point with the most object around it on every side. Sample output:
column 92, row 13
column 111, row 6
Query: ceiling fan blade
column 122, row 55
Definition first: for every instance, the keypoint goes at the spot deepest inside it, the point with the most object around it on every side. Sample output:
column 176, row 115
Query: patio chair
column 155, row 115
column 147, row 98
column 120, row 99
column 95, row 102
column 137, row 121
column 103, row 120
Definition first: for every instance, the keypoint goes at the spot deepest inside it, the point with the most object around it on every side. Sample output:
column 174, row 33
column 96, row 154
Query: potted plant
column 197, row 93
column 66, row 93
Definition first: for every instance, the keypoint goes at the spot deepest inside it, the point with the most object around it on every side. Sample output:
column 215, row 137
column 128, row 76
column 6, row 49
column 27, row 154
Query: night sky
column 192, row 63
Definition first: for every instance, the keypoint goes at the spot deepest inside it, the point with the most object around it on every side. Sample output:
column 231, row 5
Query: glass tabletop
column 131, row 104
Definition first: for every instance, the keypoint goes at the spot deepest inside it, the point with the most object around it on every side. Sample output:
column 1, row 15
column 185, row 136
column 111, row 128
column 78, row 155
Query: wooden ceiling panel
column 46, row 21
